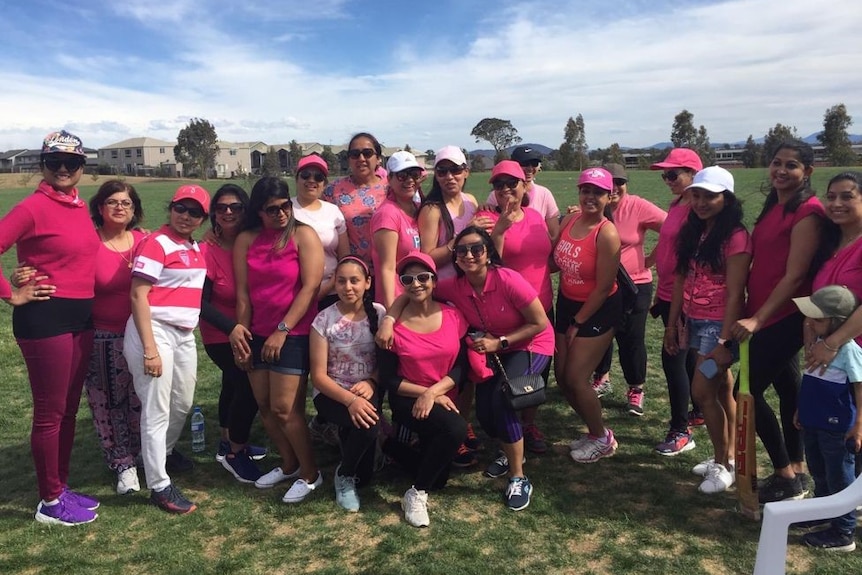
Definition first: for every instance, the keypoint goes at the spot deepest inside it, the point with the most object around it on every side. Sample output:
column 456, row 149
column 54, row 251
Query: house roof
column 140, row 143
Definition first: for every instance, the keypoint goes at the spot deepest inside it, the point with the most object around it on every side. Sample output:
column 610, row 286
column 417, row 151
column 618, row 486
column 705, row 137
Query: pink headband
column 355, row 260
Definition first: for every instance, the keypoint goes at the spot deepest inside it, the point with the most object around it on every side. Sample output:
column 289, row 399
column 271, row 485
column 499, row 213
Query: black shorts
column 606, row 317
column 293, row 359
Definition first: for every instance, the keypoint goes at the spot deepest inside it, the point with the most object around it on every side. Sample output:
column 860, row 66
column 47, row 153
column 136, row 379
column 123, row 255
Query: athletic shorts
column 293, row 359
column 606, row 317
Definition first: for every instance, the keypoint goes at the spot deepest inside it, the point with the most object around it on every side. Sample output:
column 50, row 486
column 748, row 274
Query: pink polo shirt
column 633, row 217
column 665, row 249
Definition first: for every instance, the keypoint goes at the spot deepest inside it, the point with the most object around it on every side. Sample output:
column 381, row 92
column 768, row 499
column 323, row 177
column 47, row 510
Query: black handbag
column 522, row 391
column 629, row 294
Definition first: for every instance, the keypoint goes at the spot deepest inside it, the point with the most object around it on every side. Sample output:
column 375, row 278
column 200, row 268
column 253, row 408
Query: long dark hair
column 435, row 198
column 830, row 233
column 806, row 156
column 689, row 248
column 494, row 258
column 227, row 190
column 367, row 297
column 107, row 190
column 268, row 188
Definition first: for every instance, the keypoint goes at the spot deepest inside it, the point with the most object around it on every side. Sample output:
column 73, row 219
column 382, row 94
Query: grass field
column 636, row 513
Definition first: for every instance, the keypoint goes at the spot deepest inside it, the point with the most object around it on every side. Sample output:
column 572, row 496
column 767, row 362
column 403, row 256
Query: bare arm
column 142, row 317
column 535, row 320
column 736, row 277
column 607, row 265
column 386, row 244
column 240, row 336
column 429, row 235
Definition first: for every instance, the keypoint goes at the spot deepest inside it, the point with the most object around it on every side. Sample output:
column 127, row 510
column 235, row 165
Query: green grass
column 636, row 513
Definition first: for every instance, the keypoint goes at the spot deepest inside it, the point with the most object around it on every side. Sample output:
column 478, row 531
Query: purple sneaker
column 64, row 512
column 81, row 500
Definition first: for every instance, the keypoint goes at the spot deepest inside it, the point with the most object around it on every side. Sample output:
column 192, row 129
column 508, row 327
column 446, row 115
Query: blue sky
column 422, row 73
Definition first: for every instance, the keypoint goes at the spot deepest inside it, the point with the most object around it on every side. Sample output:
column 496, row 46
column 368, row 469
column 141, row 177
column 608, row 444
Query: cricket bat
column 746, row 454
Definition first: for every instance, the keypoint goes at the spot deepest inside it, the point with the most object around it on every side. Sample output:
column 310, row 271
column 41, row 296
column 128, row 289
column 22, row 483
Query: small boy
column 827, row 413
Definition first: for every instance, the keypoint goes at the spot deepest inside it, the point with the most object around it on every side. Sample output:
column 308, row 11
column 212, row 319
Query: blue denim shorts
column 703, row 334
column 293, row 359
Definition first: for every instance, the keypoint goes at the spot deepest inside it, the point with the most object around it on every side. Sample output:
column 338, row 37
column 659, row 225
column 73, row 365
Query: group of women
column 458, row 296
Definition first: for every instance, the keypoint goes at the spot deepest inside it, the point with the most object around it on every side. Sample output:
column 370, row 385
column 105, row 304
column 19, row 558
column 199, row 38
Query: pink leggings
column 57, row 366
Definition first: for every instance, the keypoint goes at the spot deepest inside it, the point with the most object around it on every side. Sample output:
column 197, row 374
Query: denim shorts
column 293, row 359
column 703, row 334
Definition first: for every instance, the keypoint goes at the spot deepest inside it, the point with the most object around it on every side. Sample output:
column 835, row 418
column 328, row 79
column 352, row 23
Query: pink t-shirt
column 274, row 279
column 223, row 296
column 704, row 294
column 391, row 217
column 770, row 249
column 112, row 305
column 541, row 200
column 665, row 249
column 527, row 250
column 357, row 203
column 498, row 309
column 844, row 268
column 426, row 358
column 633, row 217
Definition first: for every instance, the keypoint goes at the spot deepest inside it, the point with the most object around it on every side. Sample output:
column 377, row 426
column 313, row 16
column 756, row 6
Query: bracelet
column 826, row 345
column 149, row 357
column 387, row 316
column 355, row 397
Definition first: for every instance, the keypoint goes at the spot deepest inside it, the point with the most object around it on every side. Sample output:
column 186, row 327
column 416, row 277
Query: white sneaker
column 717, row 479
column 274, row 477
column 700, row 468
column 415, row 506
column 592, row 450
column 127, row 481
column 302, row 489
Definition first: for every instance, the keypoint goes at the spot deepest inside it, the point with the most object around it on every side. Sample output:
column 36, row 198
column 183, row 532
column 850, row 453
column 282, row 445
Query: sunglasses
column 619, row 182
column 475, row 250
column 501, row 184
column 308, row 175
column 530, row 164
column 364, row 152
column 234, row 207
column 408, row 279
column 443, row 171
column 125, row 204
column 670, row 175
column 275, row 211
column 72, row 164
column 413, row 174
column 592, row 191
column 193, row 212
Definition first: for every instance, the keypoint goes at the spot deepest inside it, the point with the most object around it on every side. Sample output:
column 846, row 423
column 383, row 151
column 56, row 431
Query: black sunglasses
column 530, row 164
column 414, row 174
column 309, row 174
column 234, row 207
column 364, row 152
column 670, row 175
column 274, row 211
column 72, row 164
column 442, row 171
column 408, row 279
column 193, row 212
column 619, row 182
column 475, row 250
column 503, row 183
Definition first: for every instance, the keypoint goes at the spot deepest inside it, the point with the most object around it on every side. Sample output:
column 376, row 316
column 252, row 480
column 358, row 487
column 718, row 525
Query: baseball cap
column 416, row 257
column 400, row 161
column 507, row 168
column 451, row 153
column 599, row 177
column 713, row 179
column 680, row 158
column 618, row 172
column 313, row 161
column 523, row 154
column 830, row 301
column 192, row 192
column 63, row 142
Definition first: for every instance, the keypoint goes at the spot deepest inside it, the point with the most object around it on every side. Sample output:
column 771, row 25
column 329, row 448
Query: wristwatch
column 727, row 343
column 504, row 343
column 283, row 327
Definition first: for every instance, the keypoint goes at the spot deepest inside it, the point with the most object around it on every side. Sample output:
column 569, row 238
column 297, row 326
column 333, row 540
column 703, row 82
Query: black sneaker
column 176, row 462
column 465, row 457
column 805, row 482
column 830, row 540
column 777, row 488
column 172, row 500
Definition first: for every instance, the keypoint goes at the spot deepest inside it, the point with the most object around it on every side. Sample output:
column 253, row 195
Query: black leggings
column 678, row 371
column 237, row 407
column 357, row 443
column 631, row 341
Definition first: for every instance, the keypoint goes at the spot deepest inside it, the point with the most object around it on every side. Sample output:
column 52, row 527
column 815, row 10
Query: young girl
column 343, row 369
column 713, row 253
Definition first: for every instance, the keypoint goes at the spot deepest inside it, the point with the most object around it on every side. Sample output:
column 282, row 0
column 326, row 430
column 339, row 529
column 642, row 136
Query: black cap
column 523, row 154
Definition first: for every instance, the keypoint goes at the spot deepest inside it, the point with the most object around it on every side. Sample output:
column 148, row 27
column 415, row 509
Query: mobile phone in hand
column 474, row 335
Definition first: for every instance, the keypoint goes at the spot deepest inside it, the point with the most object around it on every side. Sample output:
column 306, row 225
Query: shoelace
column 515, row 488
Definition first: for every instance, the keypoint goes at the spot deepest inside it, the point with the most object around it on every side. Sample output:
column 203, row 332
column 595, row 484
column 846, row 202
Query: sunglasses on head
column 475, row 250
column 125, row 204
column 443, row 171
column 670, row 175
column 414, row 174
column 275, row 211
column 72, row 164
column 530, row 164
column 311, row 174
column 408, row 279
column 503, row 183
column 234, row 207
column 192, row 211
column 364, row 152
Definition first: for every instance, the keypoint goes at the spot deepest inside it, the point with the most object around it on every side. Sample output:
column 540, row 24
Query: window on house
column 161, row 150
column 139, row 153
column 114, row 154
column 233, row 151
column 127, row 153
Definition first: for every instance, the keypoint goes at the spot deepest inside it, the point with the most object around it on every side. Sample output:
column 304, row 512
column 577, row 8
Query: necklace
column 114, row 249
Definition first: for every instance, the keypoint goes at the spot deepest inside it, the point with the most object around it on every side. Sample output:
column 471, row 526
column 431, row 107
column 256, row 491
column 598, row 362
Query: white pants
column 166, row 400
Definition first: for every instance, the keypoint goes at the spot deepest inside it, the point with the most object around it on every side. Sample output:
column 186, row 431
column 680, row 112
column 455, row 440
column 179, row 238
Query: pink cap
column 313, row 161
column 416, row 257
column 598, row 177
column 680, row 158
column 192, row 192
column 507, row 168
column 452, row 153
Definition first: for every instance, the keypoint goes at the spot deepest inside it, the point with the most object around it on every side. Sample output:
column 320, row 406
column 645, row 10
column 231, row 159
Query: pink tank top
column 577, row 259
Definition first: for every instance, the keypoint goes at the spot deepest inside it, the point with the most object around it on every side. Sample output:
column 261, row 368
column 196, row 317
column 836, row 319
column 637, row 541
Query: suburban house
column 141, row 157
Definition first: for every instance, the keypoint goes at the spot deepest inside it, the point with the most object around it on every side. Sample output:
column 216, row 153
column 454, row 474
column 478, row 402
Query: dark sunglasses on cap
column 364, row 152
column 234, row 207
column 413, row 174
column 274, row 211
column 501, row 184
column 670, row 175
column 311, row 174
column 408, row 279
column 73, row 164
column 443, row 171
column 475, row 250
column 192, row 211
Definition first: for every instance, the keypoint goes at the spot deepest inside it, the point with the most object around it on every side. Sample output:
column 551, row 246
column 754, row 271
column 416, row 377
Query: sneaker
column 717, row 479
column 499, row 467
column 176, row 462
column 127, row 481
column 830, row 540
column 591, row 450
column 302, row 489
column 676, row 442
column 64, row 513
column 274, row 477
column 518, row 493
column 601, row 386
column 702, row 467
column 534, row 441
column 81, row 500
column 323, row 433
column 345, row 491
column 635, row 400
column 777, row 488
column 695, row 418
column 172, row 500
column 576, row 443
column 465, row 457
column 415, row 506
column 241, row 466
column 255, row 452
column 472, row 442
column 804, row 482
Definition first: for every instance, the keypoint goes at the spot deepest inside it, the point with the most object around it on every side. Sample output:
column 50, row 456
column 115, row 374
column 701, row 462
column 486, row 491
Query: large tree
column 835, row 138
column 573, row 150
column 751, row 153
column 614, row 155
column 330, row 158
column 777, row 134
column 294, row 154
column 683, row 134
column 499, row 133
column 270, row 164
column 197, row 147
column 703, row 147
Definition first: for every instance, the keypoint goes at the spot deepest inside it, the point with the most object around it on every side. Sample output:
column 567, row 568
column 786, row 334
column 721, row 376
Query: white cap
column 451, row 153
column 400, row 161
column 713, row 179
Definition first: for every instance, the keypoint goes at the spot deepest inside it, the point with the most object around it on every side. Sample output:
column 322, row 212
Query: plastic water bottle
column 198, row 436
